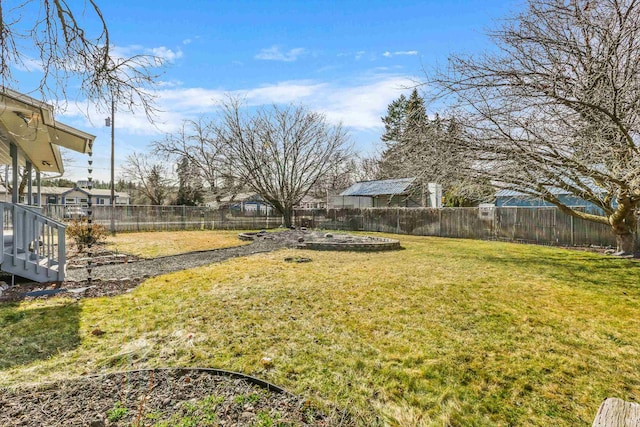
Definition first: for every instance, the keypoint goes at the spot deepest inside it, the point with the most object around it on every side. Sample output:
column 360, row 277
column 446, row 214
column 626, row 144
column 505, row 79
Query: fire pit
column 347, row 242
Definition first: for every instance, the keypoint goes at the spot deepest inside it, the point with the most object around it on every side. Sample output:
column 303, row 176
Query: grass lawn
column 446, row 332
column 154, row 244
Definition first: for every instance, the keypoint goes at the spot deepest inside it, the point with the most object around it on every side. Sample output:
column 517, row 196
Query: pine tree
column 395, row 120
column 405, row 124
column 190, row 188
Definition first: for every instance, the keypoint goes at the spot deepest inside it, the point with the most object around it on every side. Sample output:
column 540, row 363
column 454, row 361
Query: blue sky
column 347, row 59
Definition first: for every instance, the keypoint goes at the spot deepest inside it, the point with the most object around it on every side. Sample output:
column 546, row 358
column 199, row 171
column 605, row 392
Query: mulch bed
column 75, row 290
column 165, row 397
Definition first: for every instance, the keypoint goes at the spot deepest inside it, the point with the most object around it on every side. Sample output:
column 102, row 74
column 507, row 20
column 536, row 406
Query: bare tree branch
column 152, row 177
column 279, row 152
column 557, row 108
column 49, row 36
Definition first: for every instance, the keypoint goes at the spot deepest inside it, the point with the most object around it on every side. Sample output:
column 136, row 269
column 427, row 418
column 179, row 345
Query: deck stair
column 33, row 244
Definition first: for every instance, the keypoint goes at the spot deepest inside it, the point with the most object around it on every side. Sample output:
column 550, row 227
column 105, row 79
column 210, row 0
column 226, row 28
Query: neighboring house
column 511, row 198
column 402, row 192
column 33, row 245
column 69, row 196
column 246, row 204
column 309, row 202
column 80, row 196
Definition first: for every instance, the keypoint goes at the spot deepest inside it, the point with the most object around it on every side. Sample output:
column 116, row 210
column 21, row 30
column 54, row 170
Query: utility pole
column 111, row 122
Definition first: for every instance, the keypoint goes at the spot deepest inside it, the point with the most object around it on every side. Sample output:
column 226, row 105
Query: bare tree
column 280, row 152
column 152, row 177
column 367, row 168
column 197, row 142
column 344, row 172
column 557, row 108
column 49, row 36
column 339, row 175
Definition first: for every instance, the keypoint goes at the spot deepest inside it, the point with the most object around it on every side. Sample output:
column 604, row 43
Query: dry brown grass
column 155, row 244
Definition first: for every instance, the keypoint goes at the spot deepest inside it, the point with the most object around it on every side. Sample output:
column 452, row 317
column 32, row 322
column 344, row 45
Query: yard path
column 168, row 264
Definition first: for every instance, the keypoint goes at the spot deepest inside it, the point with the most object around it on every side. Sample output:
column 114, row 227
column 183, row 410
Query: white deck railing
column 33, row 244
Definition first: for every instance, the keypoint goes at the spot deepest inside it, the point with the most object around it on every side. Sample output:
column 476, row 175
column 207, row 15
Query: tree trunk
column 626, row 244
column 624, row 223
column 287, row 215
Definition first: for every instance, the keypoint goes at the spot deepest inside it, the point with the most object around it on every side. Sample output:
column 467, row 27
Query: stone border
column 372, row 244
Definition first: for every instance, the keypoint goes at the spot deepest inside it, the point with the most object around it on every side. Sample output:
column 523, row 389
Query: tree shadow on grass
column 29, row 335
column 588, row 269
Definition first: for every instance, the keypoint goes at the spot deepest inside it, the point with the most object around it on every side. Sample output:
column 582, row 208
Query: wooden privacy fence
column 166, row 218
column 547, row 226
column 542, row 225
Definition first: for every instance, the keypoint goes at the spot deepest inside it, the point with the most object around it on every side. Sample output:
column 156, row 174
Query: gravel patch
column 163, row 397
column 162, row 265
column 114, row 275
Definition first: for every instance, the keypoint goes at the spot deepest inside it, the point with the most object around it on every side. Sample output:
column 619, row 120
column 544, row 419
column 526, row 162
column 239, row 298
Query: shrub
column 78, row 230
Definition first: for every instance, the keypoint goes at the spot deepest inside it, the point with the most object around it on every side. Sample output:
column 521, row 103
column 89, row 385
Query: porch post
column 13, row 151
column 39, row 184
column 29, row 167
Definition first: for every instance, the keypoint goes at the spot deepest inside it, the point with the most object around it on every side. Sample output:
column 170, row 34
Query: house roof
column 29, row 123
column 514, row 193
column 51, row 190
column 95, row 192
column 64, row 190
column 241, row 197
column 310, row 199
column 377, row 188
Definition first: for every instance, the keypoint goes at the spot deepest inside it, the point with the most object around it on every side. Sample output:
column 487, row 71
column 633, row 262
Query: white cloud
column 274, row 53
column 162, row 52
column 186, row 41
column 29, row 64
column 357, row 103
column 166, row 54
column 169, row 83
column 388, row 54
column 282, row 92
column 360, row 106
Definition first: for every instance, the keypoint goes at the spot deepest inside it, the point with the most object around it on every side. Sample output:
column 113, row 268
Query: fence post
column 572, row 231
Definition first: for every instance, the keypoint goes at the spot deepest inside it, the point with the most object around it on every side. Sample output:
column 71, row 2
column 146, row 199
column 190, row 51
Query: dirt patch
column 165, row 397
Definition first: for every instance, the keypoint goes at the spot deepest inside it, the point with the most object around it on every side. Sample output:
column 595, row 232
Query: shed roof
column 378, row 188
column 514, row 193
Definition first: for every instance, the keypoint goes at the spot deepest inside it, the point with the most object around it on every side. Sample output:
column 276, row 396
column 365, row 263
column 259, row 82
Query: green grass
column 117, row 412
column 446, row 332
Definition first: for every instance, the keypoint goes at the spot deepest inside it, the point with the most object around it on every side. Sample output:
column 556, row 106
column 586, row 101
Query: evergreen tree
column 395, row 120
column 405, row 124
column 420, row 147
column 190, row 188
